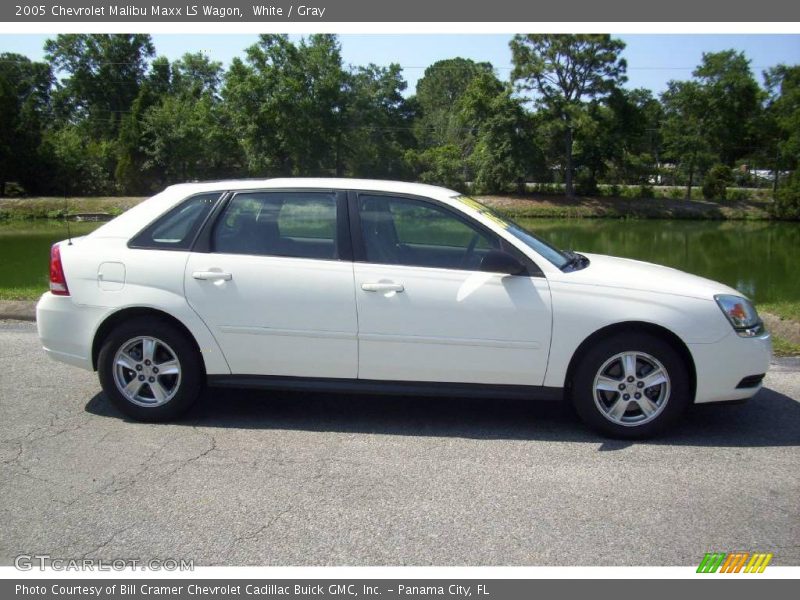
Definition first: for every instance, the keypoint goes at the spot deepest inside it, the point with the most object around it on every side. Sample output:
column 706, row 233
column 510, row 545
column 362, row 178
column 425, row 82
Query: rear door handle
column 382, row 286
column 212, row 276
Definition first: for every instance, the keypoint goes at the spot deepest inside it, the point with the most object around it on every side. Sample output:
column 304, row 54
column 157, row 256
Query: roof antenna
column 66, row 215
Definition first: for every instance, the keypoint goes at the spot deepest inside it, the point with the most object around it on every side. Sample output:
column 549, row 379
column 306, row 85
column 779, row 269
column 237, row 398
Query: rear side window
column 177, row 229
column 292, row 224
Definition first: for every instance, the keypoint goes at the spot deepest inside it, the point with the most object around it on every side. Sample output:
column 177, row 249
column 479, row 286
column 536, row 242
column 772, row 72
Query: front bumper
column 722, row 366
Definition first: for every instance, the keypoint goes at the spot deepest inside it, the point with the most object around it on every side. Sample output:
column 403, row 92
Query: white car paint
column 452, row 325
column 336, row 319
column 279, row 316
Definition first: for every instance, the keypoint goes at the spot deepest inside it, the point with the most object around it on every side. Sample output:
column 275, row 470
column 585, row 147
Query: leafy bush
column 608, row 190
column 742, row 177
column 676, row 193
column 14, row 190
column 547, row 188
column 646, row 191
column 716, row 182
column 787, row 198
column 738, row 195
column 585, row 183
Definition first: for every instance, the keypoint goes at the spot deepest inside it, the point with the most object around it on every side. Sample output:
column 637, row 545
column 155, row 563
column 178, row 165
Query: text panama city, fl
column 300, row 11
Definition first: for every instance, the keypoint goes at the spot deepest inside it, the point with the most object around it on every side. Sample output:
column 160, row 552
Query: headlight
column 741, row 313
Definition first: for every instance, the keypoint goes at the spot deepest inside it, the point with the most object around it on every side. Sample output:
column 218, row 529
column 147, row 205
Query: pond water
column 757, row 258
column 25, row 251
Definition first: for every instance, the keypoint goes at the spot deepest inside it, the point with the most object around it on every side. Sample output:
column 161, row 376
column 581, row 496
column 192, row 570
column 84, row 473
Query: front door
column 427, row 313
column 276, row 288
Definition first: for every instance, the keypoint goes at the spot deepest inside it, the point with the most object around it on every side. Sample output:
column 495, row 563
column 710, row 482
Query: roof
column 377, row 185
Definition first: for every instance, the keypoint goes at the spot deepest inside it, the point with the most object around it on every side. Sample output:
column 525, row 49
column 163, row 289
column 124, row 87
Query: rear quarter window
column 177, row 228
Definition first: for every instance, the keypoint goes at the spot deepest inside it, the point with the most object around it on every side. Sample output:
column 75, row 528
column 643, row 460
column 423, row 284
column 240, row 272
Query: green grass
column 789, row 311
column 22, row 293
column 785, row 310
column 782, row 347
column 47, row 207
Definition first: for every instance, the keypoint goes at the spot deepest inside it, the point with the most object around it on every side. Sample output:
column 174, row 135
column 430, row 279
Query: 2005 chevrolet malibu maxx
column 383, row 286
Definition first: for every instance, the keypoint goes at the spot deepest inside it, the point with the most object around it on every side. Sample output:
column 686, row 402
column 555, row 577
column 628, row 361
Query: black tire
column 185, row 389
column 583, row 381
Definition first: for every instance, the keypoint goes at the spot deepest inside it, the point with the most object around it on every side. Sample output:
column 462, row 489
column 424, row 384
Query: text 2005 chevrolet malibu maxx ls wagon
column 385, row 287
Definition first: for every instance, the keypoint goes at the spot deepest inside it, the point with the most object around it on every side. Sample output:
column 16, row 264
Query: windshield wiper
column 575, row 261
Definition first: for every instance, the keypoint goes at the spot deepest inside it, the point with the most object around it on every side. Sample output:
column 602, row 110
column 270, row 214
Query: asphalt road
column 297, row 479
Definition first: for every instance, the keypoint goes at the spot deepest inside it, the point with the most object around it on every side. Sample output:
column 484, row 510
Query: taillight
column 58, row 283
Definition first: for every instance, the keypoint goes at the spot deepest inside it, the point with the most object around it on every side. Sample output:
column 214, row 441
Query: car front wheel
column 631, row 386
column 150, row 370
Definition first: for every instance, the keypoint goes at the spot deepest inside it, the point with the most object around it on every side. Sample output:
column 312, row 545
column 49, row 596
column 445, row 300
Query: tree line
column 104, row 115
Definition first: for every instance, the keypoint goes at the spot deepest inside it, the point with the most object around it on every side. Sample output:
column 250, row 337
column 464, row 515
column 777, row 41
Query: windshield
column 551, row 253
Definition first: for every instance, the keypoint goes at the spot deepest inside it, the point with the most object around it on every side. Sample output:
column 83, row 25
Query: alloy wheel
column 631, row 388
column 147, row 371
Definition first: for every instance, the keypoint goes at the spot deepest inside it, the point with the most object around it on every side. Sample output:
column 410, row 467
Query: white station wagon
column 378, row 286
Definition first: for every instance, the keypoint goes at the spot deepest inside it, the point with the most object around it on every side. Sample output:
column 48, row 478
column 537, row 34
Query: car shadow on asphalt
column 769, row 419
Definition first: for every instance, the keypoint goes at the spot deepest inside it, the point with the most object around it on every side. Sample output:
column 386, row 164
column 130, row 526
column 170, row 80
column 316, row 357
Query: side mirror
column 497, row 261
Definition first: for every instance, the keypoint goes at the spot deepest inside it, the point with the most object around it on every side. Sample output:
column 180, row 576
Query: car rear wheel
column 150, row 370
column 632, row 385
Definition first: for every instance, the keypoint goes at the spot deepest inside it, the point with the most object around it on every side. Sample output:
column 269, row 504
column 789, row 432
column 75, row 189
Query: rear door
column 427, row 312
column 273, row 280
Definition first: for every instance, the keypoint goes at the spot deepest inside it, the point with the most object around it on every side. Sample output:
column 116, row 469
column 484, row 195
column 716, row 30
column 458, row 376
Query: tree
column 635, row 133
column 783, row 87
column 502, row 152
column 130, row 172
column 177, row 129
column 286, row 102
column 378, row 123
column 564, row 71
column 439, row 165
column 181, row 139
column 103, row 76
column 438, row 92
column 685, row 129
column 24, row 105
column 83, row 166
column 196, row 75
column 783, row 111
column 733, row 100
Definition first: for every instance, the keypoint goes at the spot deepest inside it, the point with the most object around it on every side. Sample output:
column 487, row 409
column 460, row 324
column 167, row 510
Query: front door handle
column 212, row 276
column 382, row 286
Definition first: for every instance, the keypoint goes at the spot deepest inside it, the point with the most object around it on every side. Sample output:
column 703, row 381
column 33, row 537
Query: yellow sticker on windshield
column 484, row 211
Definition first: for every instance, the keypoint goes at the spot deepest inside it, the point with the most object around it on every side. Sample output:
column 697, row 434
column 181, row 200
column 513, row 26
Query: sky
column 652, row 59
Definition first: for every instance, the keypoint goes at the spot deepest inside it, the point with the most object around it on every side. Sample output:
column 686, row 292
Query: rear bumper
column 723, row 365
column 66, row 329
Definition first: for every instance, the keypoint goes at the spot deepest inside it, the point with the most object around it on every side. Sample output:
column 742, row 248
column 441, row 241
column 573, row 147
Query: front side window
column 548, row 251
column 411, row 232
column 176, row 229
column 291, row 224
